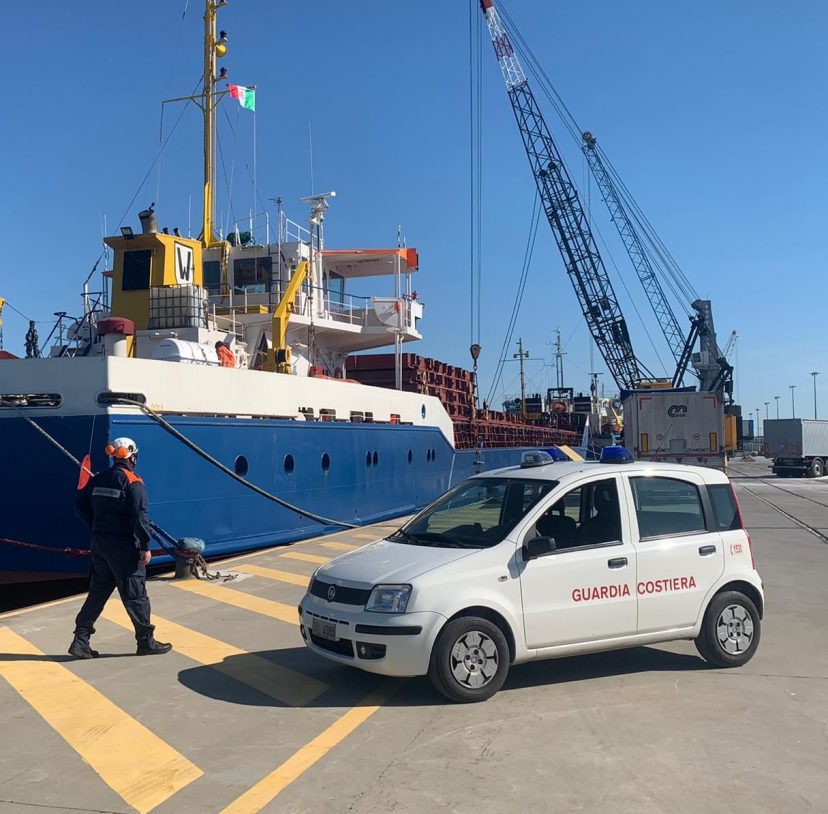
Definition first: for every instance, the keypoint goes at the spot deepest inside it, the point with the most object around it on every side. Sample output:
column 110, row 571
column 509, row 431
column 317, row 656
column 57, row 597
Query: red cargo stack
column 455, row 387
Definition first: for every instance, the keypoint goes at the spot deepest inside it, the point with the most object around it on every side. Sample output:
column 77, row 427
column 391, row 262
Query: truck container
column 681, row 426
column 798, row 446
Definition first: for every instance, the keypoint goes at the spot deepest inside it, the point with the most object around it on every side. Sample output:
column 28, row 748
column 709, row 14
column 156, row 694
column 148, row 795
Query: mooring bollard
column 183, row 569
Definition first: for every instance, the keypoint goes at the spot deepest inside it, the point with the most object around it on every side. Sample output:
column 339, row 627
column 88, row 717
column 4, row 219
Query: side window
column 667, row 506
column 588, row 515
column 725, row 510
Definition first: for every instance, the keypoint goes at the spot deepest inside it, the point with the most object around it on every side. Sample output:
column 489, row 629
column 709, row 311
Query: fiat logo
column 331, row 593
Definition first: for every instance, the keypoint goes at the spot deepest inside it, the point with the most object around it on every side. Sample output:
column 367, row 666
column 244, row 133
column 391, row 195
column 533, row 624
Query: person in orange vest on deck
column 225, row 355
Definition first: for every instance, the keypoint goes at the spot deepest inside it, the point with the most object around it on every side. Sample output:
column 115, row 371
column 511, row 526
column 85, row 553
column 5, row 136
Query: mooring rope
column 325, row 521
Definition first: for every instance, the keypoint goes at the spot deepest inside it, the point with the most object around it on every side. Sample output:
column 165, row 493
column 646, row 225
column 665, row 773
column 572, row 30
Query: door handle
column 617, row 562
column 707, row 550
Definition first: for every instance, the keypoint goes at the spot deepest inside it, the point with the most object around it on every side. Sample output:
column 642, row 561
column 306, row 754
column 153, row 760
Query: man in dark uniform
column 114, row 505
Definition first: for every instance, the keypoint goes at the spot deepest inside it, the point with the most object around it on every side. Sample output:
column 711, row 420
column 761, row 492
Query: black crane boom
column 566, row 216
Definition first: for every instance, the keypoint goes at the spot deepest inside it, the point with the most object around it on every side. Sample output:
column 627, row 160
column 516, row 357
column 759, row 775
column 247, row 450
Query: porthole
column 240, row 465
column 376, row 458
column 289, row 465
column 433, row 454
column 428, row 455
column 410, row 456
column 423, row 411
column 326, row 462
column 368, row 458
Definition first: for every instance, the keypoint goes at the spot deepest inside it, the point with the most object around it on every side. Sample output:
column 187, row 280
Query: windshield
column 477, row 513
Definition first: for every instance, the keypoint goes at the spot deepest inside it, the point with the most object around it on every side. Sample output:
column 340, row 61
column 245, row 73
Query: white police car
column 539, row 561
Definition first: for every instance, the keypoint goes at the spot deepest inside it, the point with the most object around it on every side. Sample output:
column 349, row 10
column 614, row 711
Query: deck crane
column 566, row 216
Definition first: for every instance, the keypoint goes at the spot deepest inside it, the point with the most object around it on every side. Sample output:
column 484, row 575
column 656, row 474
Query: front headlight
column 389, row 598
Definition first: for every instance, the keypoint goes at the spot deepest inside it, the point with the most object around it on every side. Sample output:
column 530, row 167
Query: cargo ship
column 239, row 367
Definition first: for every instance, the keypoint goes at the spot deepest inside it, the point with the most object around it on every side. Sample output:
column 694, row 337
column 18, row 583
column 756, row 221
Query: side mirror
column 538, row 547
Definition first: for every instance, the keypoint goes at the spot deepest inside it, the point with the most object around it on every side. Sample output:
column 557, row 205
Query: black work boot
column 81, row 649
column 152, row 648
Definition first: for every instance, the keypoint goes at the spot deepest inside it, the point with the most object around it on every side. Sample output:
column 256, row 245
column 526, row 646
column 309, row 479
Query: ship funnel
column 149, row 225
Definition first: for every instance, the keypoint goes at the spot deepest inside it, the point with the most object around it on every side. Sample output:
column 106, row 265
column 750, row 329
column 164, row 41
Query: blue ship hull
column 357, row 473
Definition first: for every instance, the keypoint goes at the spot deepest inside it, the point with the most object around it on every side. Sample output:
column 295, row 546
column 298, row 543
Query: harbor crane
column 581, row 257
column 566, row 216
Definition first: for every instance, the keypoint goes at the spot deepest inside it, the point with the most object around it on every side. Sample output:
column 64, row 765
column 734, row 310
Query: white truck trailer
column 798, row 446
column 680, row 426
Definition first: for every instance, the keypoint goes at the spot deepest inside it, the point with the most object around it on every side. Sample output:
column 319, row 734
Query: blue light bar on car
column 616, row 455
column 535, row 458
column 556, row 454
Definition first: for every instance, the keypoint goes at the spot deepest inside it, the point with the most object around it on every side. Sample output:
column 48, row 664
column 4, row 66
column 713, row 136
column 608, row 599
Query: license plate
column 325, row 629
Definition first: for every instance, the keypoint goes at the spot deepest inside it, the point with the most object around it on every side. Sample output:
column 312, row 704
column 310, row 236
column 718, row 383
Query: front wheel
column 470, row 660
column 730, row 631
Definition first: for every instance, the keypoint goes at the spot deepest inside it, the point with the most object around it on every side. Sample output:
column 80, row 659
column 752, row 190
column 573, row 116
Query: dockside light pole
column 793, row 403
column 777, row 405
column 814, row 374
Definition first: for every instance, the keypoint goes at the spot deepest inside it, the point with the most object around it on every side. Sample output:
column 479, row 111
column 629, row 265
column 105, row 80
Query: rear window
column 725, row 510
column 667, row 506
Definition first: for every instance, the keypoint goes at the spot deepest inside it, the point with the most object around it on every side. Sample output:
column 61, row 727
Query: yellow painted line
column 299, row 555
column 256, row 604
column 274, row 573
column 135, row 763
column 360, row 536
column 270, row 786
column 41, row 606
column 341, row 546
column 287, row 686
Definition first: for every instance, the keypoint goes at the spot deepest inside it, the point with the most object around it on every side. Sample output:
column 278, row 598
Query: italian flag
column 246, row 96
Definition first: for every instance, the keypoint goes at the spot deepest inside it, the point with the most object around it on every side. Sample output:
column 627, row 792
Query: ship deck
column 240, row 717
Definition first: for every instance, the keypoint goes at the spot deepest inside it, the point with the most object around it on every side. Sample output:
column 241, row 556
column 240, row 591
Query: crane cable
column 534, row 221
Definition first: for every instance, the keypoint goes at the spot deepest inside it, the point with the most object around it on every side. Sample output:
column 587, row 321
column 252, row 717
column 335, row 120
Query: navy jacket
column 114, row 503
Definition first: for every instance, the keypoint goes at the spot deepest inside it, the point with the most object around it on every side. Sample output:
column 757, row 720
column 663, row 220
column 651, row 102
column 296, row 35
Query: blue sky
column 712, row 112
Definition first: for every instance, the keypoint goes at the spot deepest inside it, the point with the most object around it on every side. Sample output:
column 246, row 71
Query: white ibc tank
column 190, row 353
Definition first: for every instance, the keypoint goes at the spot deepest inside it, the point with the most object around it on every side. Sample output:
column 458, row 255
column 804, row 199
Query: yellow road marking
column 41, row 606
column 298, row 555
column 340, row 546
column 274, row 573
column 266, row 607
column 360, row 536
column 131, row 760
column 257, row 797
column 287, row 686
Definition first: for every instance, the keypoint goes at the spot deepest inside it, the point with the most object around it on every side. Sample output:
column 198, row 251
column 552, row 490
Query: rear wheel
column 817, row 468
column 730, row 631
column 470, row 660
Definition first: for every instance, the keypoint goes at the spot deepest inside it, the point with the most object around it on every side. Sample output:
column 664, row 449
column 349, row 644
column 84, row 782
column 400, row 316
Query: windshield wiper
column 438, row 539
column 405, row 537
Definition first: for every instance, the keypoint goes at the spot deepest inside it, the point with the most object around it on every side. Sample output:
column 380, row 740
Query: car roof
column 560, row 470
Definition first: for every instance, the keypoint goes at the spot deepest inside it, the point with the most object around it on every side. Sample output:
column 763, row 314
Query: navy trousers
column 115, row 564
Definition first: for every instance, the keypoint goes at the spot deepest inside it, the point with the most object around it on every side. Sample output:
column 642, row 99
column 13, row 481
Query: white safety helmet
column 122, row 448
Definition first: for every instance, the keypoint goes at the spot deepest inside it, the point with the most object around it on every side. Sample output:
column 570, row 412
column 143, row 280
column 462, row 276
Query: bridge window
column 252, row 274
column 212, row 276
column 137, row 265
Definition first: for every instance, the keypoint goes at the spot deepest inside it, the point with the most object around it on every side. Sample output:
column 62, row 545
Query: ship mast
column 213, row 49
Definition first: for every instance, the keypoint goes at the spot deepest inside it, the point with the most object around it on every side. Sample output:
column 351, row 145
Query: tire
column 816, row 469
column 470, row 660
column 730, row 631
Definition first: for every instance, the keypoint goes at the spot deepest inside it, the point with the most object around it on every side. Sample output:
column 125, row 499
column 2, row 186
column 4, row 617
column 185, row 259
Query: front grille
column 343, row 647
column 347, row 596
